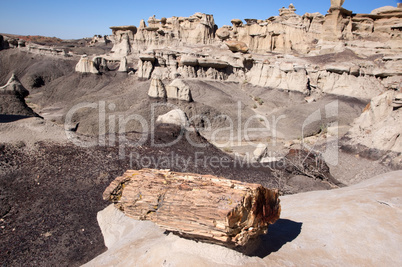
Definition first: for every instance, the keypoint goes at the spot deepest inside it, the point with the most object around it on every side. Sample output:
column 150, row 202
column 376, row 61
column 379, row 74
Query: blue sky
column 84, row 18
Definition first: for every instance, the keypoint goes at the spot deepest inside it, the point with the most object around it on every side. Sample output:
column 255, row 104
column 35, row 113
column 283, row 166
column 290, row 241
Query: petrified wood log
column 201, row 207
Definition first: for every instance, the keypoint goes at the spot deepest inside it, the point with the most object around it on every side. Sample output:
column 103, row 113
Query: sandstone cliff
column 289, row 51
column 288, row 32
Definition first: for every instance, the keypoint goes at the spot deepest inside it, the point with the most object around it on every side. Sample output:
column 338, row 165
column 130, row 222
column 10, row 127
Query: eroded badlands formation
column 286, row 51
column 340, row 53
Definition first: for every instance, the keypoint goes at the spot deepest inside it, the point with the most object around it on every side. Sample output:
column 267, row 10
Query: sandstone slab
column 212, row 63
column 175, row 117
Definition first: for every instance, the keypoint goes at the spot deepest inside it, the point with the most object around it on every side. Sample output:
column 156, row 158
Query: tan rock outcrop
column 283, row 76
column 147, row 56
column 175, row 117
column 46, row 50
column 157, row 89
column 123, row 65
column 236, row 22
column 337, row 24
column 287, row 11
column 176, row 31
column 212, row 63
column 146, row 64
column 379, row 125
column 193, row 47
column 123, row 36
column 14, row 86
column 349, row 85
column 284, row 33
column 385, row 10
column 99, row 39
column 223, row 33
column 361, row 79
column 337, row 3
column 188, row 60
column 86, row 65
column 237, row 46
column 177, row 89
column 260, row 152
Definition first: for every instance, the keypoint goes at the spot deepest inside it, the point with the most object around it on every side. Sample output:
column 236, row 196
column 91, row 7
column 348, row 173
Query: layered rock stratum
column 339, row 53
column 288, row 51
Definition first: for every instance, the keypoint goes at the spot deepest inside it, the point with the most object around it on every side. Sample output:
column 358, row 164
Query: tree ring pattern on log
column 200, row 207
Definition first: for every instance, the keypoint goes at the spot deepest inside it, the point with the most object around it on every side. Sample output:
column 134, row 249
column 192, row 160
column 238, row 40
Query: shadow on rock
column 11, row 118
column 279, row 233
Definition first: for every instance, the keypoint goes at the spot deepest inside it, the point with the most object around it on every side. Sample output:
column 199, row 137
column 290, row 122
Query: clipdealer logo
column 112, row 131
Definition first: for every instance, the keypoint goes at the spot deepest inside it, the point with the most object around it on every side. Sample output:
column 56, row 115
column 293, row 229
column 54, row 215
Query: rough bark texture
column 201, row 207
